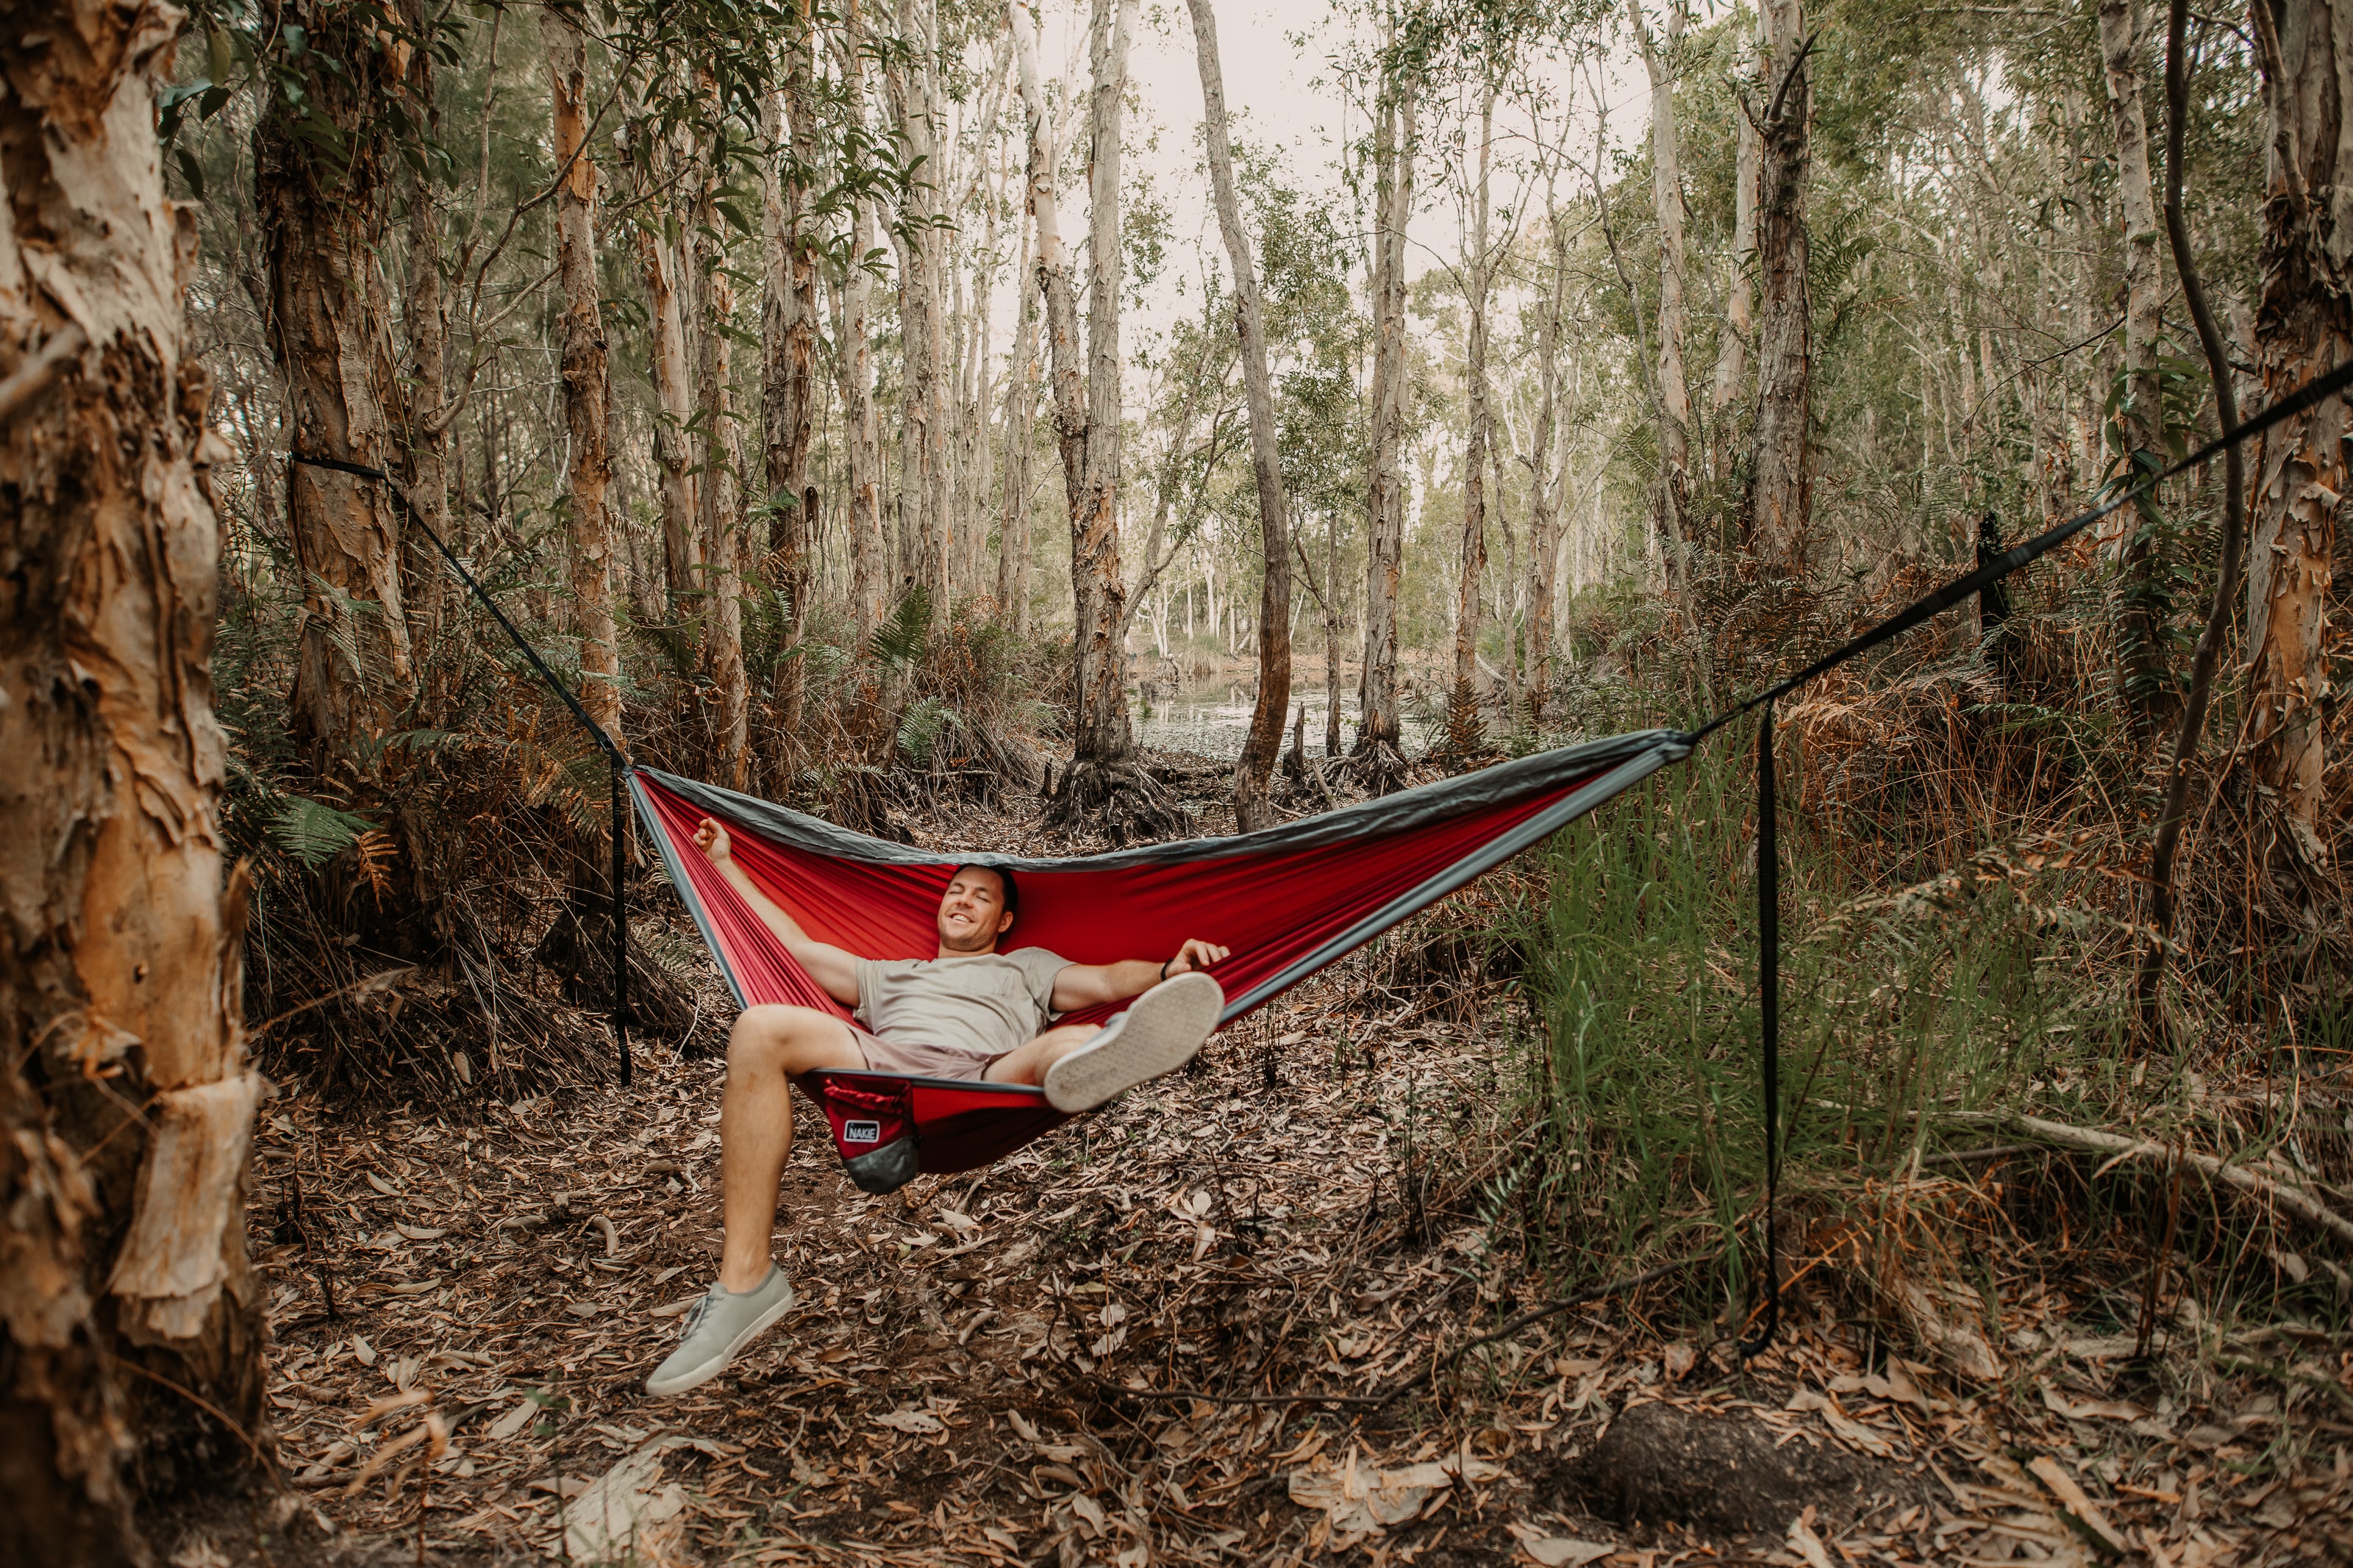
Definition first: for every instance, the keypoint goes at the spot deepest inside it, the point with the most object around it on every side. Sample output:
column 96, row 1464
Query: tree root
column 1120, row 800
column 1378, row 768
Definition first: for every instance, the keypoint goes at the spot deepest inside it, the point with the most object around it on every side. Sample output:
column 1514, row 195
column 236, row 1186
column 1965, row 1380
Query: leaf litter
column 1100, row 1348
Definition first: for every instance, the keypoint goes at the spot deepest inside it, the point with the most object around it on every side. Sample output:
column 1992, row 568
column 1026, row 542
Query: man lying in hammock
column 970, row 1012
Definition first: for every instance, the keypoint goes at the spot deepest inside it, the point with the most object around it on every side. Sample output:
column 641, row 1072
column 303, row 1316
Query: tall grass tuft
column 1962, row 995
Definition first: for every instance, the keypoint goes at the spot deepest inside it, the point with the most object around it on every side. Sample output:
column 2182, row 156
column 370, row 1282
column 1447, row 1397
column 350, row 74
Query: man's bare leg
column 1027, row 1063
column 767, row 1045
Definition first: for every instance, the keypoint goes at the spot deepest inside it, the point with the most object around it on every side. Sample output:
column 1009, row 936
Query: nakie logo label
column 861, row 1132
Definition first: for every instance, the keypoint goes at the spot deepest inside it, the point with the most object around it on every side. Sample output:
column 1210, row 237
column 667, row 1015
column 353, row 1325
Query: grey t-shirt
column 982, row 1002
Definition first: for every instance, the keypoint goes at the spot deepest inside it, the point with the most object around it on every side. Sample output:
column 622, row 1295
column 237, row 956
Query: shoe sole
column 1161, row 1032
column 720, row 1363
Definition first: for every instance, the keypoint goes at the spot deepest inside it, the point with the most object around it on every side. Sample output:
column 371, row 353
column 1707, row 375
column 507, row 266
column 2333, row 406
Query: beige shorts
column 918, row 1060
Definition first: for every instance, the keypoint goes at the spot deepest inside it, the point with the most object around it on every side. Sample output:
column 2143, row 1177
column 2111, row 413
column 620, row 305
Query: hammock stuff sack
column 1287, row 901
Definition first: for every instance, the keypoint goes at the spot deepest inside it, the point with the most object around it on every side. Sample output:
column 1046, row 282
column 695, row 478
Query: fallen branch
column 2294, row 1200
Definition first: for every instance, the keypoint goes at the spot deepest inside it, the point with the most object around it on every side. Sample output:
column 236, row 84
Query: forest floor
column 987, row 1368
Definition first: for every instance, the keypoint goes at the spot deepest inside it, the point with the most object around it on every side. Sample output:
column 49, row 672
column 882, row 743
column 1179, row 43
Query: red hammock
column 1287, row 901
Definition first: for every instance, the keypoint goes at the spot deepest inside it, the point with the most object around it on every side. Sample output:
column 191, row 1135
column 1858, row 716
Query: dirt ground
column 1106, row 1350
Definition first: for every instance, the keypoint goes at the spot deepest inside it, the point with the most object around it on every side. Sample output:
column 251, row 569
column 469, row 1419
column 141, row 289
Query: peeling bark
column 1252, row 810
column 1781, row 479
column 2143, row 680
column 324, row 216
column 587, row 384
column 120, row 952
column 2304, row 328
column 1378, row 730
column 1464, row 731
column 1667, row 202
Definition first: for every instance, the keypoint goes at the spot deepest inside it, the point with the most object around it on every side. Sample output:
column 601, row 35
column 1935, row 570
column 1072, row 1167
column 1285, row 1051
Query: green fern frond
column 313, row 833
column 899, row 642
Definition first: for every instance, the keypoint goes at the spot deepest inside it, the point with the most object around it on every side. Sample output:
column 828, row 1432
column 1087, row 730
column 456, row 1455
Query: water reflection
column 1213, row 719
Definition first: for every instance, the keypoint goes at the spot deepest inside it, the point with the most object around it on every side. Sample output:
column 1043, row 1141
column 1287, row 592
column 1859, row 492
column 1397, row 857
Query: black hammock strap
column 2311, row 394
column 610, row 747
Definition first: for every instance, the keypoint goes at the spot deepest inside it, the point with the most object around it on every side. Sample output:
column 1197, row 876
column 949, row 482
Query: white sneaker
column 1159, row 1033
column 719, row 1326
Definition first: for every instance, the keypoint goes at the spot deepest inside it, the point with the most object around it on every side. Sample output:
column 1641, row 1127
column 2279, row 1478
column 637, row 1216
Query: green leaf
column 192, row 169
column 314, row 833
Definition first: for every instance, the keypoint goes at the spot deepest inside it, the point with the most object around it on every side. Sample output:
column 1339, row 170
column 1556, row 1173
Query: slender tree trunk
column 788, row 371
column 1464, row 731
column 1732, row 338
column 1020, row 432
column 1667, row 200
column 1252, row 810
column 126, row 1105
column 722, row 498
column 1781, row 477
column 861, row 439
column 1544, row 509
column 324, row 217
column 2302, row 329
column 923, row 478
column 424, row 322
column 1098, row 643
column 1379, row 732
column 587, row 387
column 657, row 259
column 2144, row 608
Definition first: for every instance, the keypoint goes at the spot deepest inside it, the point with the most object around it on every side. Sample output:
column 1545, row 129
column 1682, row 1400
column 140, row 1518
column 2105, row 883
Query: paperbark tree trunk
column 323, row 213
column 723, row 564
column 1020, row 432
column 658, row 259
column 924, row 477
column 126, row 1105
column 1667, row 200
column 1544, row 473
column 1379, row 732
column 1252, row 810
column 1102, row 782
column 1103, row 741
column 425, row 585
column 1781, row 477
column 587, row 384
column 789, row 367
column 1464, row 731
column 854, row 361
column 2144, row 679
column 1732, row 343
column 2304, row 328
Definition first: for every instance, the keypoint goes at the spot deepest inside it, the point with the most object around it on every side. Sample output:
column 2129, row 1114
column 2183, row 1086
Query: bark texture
column 1781, row 478
column 788, row 365
column 587, row 384
column 657, row 259
column 1667, row 203
column 2303, row 328
column 1252, row 810
column 2143, row 679
column 1464, row 731
column 1379, row 732
column 1738, row 328
column 324, row 215
column 126, row 1105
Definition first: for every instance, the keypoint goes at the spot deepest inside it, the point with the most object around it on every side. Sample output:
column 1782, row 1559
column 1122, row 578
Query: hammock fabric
column 1287, row 901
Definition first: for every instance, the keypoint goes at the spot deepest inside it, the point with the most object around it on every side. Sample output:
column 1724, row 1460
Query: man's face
column 973, row 912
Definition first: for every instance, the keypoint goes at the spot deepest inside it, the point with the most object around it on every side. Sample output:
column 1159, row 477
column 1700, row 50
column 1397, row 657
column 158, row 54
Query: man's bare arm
column 834, row 969
column 1085, row 984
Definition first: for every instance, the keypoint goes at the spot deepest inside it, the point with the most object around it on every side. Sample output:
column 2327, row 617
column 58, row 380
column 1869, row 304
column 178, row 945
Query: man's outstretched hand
column 1194, row 955
column 712, row 840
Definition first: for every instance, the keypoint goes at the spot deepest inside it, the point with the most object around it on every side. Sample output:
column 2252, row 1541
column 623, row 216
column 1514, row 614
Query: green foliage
column 312, row 833
column 1896, row 1006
